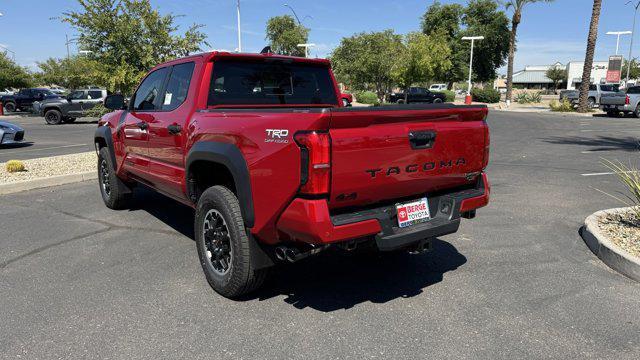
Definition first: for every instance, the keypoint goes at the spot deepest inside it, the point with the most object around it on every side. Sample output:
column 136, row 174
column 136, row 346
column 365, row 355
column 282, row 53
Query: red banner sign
column 615, row 69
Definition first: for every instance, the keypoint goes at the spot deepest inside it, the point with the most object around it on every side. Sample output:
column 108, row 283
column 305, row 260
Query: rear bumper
column 626, row 108
column 310, row 221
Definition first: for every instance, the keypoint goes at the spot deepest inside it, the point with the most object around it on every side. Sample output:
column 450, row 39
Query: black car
column 417, row 95
column 25, row 98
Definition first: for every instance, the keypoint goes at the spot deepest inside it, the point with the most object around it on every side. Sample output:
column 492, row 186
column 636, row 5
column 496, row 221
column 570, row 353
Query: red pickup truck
column 278, row 169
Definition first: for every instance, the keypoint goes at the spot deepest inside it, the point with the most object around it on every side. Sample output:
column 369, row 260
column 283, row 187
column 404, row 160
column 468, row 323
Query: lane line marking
column 49, row 148
column 606, row 173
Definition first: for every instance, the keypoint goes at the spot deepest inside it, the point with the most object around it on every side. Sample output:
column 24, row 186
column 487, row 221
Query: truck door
column 144, row 106
column 94, row 97
column 167, row 132
column 76, row 99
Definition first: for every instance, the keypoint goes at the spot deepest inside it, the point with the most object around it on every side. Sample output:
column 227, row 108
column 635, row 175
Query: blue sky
column 548, row 33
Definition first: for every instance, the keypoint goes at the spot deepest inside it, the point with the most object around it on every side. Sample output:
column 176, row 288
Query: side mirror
column 114, row 102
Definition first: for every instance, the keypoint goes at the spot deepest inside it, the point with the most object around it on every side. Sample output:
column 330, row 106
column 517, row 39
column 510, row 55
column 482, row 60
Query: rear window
column 633, row 90
column 270, row 83
column 611, row 87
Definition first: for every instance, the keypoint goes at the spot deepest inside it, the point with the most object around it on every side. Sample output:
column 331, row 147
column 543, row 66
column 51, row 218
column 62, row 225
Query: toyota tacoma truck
column 277, row 169
column 627, row 102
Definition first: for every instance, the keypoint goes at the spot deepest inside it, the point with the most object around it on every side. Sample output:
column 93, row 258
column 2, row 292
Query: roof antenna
column 266, row 50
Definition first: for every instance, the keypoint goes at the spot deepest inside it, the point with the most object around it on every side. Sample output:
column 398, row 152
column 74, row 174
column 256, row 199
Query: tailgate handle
column 422, row 139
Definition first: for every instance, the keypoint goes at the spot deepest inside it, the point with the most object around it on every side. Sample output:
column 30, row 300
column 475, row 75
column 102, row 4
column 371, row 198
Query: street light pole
column 239, row 33
column 633, row 32
column 467, row 99
column 618, row 33
column 294, row 13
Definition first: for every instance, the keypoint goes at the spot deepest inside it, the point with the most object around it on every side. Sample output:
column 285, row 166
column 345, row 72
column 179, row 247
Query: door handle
column 142, row 125
column 174, row 129
column 422, row 139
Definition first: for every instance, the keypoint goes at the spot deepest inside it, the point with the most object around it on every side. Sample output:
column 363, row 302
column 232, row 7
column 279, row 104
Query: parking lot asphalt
column 42, row 140
column 81, row 281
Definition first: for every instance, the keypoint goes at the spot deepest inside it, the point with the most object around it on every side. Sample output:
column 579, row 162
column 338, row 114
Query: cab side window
column 95, row 94
column 78, row 95
column 177, row 86
column 146, row 98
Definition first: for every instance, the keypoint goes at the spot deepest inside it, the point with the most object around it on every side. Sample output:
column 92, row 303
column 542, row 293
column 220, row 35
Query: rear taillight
column 315, row 175
column 487, row 145
column 627, row 100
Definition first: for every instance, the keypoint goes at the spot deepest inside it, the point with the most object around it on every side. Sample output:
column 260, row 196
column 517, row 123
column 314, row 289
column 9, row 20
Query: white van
column 438, row 87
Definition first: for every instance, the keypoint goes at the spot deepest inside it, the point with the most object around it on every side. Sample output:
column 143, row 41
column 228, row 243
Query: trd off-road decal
column 279, row 136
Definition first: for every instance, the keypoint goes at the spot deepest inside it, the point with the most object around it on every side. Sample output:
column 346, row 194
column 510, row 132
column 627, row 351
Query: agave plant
column 629, row 175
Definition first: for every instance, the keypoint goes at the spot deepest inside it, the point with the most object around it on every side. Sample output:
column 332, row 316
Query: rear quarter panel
column 274, row 167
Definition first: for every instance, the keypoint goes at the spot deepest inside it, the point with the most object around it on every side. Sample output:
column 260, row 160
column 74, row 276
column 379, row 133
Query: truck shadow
column 600, row 143
column 333, row 280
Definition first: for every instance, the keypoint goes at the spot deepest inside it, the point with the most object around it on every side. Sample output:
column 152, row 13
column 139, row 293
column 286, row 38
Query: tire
column 437, row 101
column 10, row 107
column 53, row 117
column 69, row 120
column 115, row 193
column 591, row 103
column 636, row 113
column 218, row 213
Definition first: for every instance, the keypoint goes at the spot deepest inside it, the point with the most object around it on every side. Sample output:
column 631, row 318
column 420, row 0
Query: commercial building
column 534, row 77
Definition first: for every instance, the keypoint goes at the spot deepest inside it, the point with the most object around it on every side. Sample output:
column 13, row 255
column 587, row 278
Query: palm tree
column 517, row 6
column 583, row 105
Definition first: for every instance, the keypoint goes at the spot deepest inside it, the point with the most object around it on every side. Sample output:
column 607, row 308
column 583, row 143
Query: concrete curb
column 607, row 251
column 25, row 185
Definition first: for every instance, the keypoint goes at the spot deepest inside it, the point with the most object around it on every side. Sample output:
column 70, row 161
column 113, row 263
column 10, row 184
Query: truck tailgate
column 395, row 152
column 613, row 99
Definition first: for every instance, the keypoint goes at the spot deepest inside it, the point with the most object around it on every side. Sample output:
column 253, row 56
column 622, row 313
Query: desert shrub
column 629, row 176
column 15, row 166
column 366, row 97
column 490, row 96
column 450, row 95
column 562, row 106
column 526, row 97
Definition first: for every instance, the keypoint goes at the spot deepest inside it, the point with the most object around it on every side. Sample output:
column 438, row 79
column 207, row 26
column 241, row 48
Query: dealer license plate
column 413, row 213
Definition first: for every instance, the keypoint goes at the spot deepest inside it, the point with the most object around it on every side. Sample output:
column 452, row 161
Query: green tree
column 128, row 38
column 446, row 20
column 284, row 35
column 421, row 59
column 556, row 74
column 517, row 6
column 634, row 72
column 479, row 17
column 13, row 75
column 365, row 61
column 483, row 17
column 583, row 105
column 71, row 73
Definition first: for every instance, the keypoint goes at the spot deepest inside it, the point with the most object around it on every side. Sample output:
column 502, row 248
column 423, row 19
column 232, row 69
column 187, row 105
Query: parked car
column 277, row 170
column 417, row 95
column 10, row 133
column 25, row 98
column 346, row 99
column 438, row 87
column 67, row 109
column 595, row 92
column 58, row 90
column 622, row 102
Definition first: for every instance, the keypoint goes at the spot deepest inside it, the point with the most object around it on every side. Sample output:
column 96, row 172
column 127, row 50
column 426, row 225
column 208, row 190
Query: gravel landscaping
column 623, row 229
column 51, row 166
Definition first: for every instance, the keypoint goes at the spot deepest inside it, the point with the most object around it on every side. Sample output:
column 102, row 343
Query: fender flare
column 229, row 156
column 104, row 133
